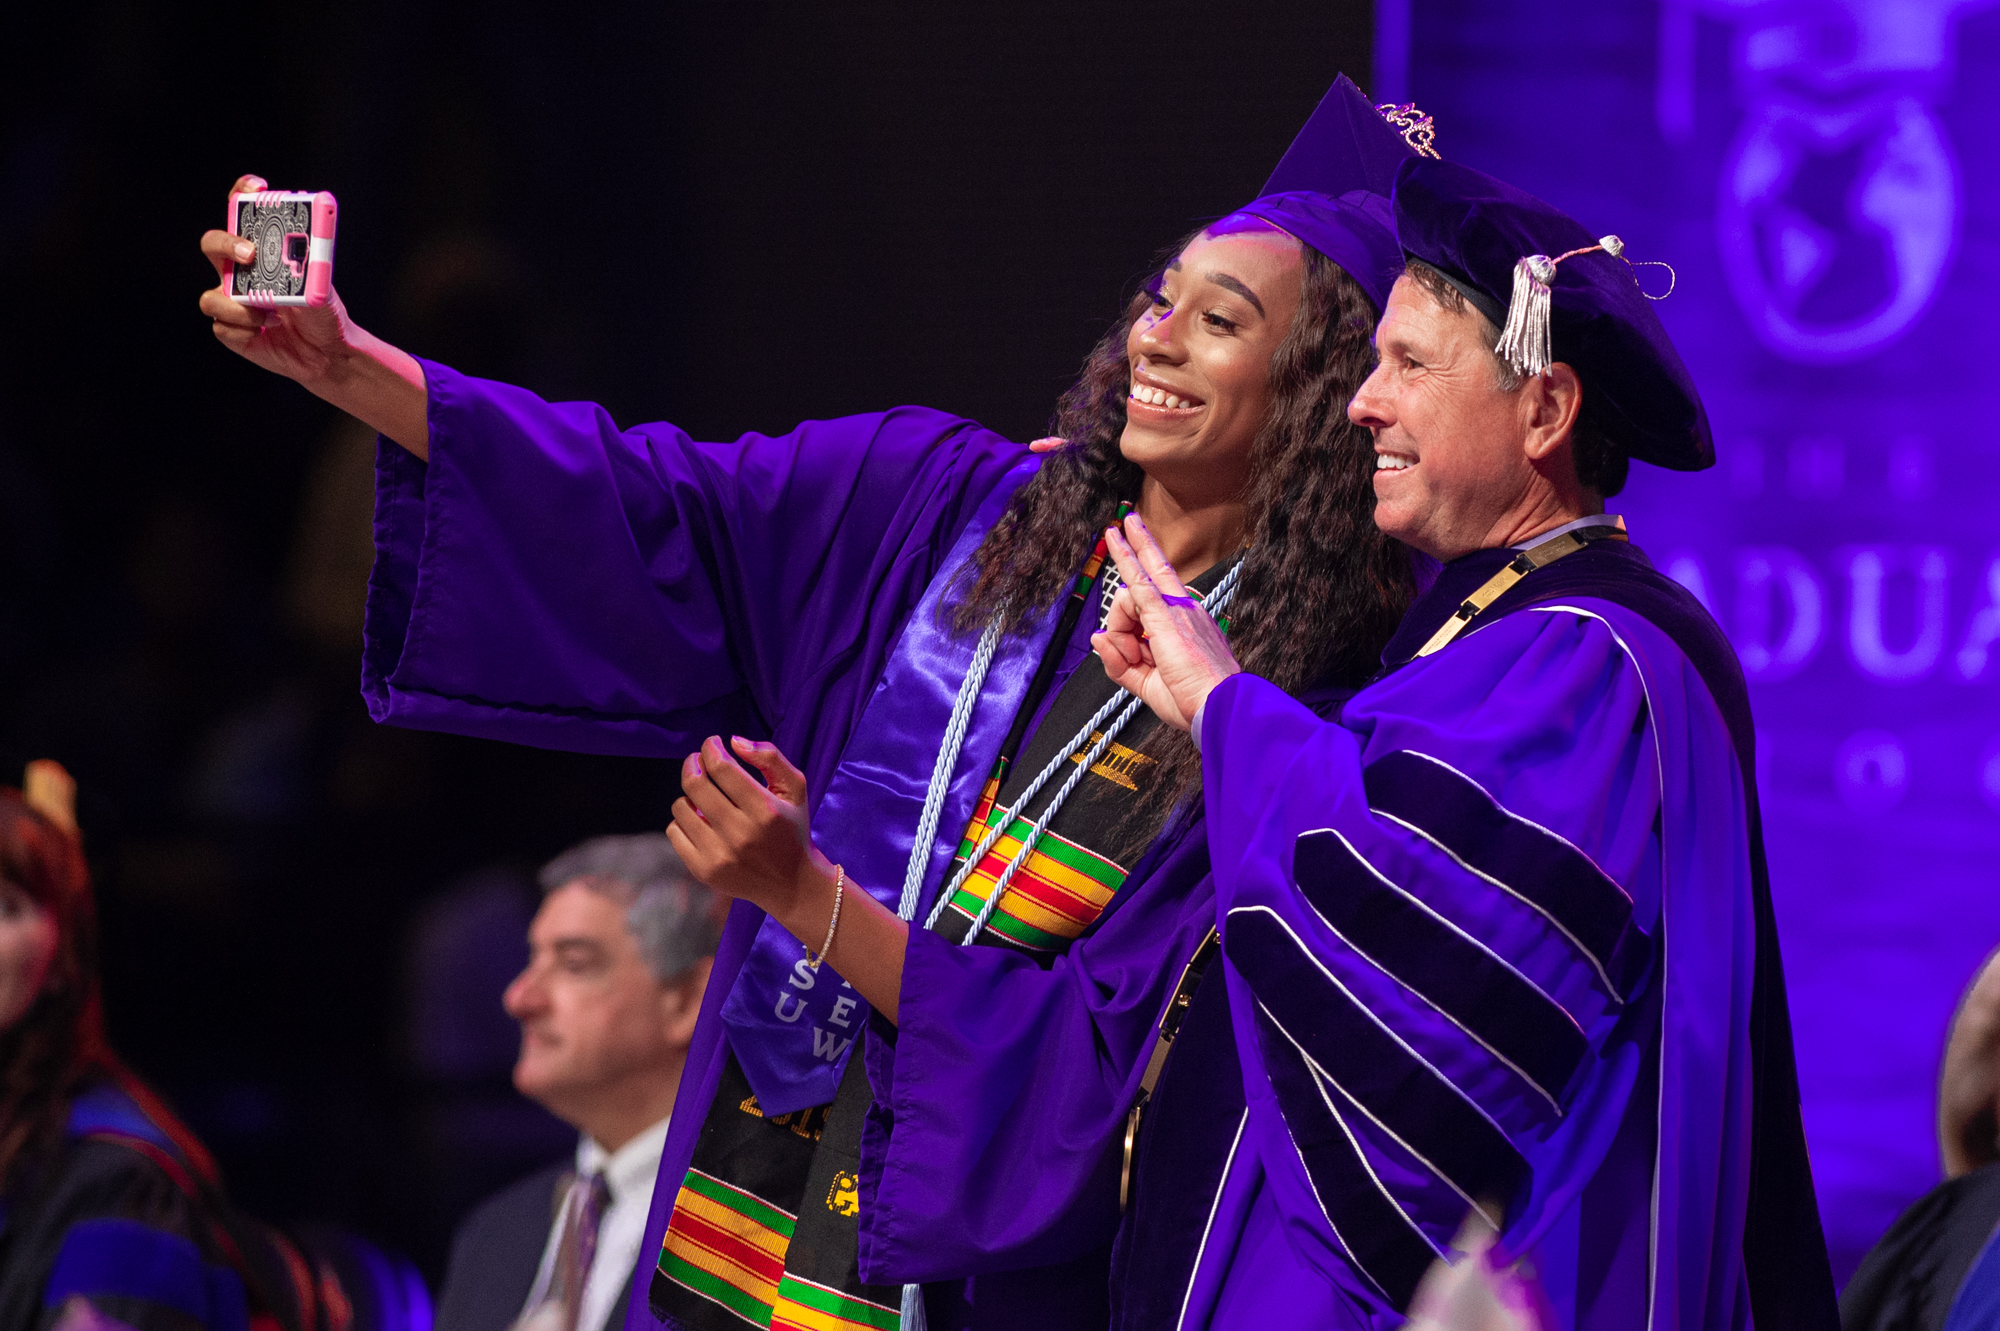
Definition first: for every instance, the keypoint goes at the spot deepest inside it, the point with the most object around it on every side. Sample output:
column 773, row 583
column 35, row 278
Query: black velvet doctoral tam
column 1474, row 229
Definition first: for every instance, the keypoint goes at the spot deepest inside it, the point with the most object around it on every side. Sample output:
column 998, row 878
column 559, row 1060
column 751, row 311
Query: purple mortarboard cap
column 1582, row 307
column 1346, row 144
column 1331, row 188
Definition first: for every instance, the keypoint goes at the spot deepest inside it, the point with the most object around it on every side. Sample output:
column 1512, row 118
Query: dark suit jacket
column 496, row 1252
column 1909, row 1279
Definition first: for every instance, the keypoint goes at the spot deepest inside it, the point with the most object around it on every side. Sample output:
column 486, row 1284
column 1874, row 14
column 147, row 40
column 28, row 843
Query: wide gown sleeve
column 552, row 579
column 1439, row 921
column 1000, row 1097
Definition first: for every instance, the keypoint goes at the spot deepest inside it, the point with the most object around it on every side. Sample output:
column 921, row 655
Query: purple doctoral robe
column 550, row 579
column 1497, row 937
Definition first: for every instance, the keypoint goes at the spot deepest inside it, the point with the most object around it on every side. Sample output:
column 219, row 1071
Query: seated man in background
column 1938, row 1266
column 619, row 955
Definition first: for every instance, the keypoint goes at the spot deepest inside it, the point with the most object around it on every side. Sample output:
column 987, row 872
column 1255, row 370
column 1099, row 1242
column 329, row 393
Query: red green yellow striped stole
column 806, row 1306
column 729, row 1246
column 1098, row 553
column 1062, row 887
column 1053, row 897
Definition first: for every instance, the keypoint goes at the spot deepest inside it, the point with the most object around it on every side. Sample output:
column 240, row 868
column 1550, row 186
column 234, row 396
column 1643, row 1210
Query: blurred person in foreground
column 112, row 1213
column 619, row 955
column 1938, row 1266
column 109, row 1207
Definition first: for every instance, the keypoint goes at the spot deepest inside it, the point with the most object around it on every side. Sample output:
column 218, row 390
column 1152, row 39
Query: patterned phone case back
column 282, row 232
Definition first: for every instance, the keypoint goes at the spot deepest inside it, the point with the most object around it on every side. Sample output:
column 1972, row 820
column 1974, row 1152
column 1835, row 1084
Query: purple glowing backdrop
column 1824, row 175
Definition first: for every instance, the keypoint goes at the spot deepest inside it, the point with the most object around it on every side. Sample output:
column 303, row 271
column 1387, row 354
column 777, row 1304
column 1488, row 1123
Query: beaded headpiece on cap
column 1331, row 188
column 1418, row 130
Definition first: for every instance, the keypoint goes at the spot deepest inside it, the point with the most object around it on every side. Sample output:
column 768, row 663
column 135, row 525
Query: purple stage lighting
column 1822, row 176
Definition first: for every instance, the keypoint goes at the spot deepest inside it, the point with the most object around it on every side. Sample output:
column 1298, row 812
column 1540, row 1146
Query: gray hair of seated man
column 676, row 921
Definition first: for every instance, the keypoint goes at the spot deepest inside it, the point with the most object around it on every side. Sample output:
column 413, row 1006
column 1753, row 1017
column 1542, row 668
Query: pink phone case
column 294, row 237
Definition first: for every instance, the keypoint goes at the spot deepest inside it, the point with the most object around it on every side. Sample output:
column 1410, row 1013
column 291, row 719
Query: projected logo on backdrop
column 1839, row 198
column 1837, row 211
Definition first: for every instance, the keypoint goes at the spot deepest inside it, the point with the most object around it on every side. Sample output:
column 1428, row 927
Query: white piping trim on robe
column 1214, row 1205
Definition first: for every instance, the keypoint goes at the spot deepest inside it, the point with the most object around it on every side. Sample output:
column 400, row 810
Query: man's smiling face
column 1451, row 467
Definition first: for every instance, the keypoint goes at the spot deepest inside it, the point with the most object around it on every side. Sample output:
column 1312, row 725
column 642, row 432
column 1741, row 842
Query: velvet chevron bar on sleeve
column 1484, row 935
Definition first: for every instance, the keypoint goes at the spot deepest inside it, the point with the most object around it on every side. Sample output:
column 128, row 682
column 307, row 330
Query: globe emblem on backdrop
column 1837, row 206
column 1836, row 224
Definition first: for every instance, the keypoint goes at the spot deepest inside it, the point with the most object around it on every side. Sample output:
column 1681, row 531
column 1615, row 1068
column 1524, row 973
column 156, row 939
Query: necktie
column 557, row 1303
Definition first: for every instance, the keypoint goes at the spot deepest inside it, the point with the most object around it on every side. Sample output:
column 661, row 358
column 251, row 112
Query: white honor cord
column 947, row 759
column 1214, row 603
column 1034, row 837
column 999, row 827
column 913, row 1318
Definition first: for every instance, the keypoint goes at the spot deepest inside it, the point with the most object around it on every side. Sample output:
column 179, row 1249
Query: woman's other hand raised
column 741, row 838
column 755, row 842
column 1158, row 642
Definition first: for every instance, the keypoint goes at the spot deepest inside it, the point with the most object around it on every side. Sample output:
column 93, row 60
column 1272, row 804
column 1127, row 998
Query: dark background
column 730, row 217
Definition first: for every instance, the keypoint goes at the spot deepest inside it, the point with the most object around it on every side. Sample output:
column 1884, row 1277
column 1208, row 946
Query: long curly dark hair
column 1321, row 589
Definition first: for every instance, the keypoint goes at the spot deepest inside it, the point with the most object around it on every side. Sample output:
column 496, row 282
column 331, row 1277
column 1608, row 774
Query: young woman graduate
column 901, row 603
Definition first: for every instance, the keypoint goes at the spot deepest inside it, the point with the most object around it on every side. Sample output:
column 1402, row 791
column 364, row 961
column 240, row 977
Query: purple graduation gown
column 1498, row 936
column 548, row 578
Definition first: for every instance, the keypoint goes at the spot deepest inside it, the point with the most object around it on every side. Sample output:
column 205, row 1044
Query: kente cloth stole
column 765, row 1229
column 1086, row 851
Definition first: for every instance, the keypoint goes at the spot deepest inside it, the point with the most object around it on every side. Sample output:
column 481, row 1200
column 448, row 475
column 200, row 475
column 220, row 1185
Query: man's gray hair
column 1446, row 293
column 676, row 921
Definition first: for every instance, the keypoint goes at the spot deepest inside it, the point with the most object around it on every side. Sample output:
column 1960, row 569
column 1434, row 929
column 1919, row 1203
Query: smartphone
column 293, row 233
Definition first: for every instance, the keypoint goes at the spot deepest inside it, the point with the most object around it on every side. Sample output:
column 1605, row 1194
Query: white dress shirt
column 1594, row 520
column 628, row 1173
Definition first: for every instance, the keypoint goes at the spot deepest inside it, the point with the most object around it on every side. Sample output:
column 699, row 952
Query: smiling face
column 1200, row 358
column 1461, row 464
column 27, row 947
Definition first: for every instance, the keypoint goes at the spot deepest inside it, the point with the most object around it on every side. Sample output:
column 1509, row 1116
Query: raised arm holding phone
column 973, row 867
column 320, row 347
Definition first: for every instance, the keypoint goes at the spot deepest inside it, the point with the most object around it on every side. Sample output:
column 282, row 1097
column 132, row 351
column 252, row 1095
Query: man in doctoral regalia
column 1496, row 946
